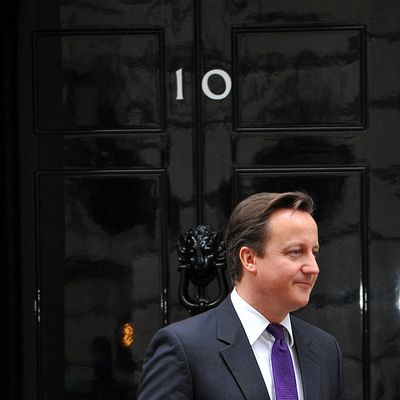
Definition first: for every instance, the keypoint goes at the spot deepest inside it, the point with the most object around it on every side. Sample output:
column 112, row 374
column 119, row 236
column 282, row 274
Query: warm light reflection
column 128, row 333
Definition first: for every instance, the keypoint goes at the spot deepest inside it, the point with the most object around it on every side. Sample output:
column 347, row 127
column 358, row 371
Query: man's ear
column 247, row 257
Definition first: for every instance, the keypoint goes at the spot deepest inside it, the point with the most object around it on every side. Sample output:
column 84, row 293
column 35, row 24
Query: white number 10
column 204, row 84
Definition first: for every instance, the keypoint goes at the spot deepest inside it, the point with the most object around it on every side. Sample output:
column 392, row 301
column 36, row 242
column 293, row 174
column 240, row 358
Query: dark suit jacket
column 208, row 357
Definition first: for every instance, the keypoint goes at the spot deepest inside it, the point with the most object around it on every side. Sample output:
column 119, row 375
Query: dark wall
column 10, row 333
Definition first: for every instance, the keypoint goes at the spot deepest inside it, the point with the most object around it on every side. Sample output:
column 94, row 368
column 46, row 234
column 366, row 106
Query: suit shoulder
column 305, row 328
column 193, row 326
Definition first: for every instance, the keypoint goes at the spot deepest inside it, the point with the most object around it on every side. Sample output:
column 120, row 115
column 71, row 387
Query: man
column 250, row 347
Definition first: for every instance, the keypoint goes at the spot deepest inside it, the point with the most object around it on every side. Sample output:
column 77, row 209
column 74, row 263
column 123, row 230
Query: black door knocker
column 201, row 254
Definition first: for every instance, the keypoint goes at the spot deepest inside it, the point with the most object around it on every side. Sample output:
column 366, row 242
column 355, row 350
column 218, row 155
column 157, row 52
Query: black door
column 139, row 120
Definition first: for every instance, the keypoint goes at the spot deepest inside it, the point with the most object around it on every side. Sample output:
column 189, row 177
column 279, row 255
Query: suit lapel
column 238, row 354
column 308, row 360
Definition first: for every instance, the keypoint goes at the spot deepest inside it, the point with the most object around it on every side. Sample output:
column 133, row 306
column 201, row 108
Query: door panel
column 101, row 283
column 312, row 78
column 338, row 302
column 304, row 113
column 106, row 81
column 114, row 168
column 107, row 175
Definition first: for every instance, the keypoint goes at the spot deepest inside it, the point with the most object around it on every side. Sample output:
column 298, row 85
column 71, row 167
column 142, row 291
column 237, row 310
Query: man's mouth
column 302, row 283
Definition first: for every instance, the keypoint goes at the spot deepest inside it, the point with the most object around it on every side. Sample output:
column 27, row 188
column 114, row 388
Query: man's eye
column 295, row 252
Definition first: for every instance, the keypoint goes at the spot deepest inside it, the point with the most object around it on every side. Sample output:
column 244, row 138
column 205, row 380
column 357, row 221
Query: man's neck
column 265, row 308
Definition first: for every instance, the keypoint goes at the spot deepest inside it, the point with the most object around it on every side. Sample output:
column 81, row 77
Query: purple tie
column 282, row 366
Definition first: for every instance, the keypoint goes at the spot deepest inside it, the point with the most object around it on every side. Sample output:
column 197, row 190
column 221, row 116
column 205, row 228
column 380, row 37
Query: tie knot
column 276, row 330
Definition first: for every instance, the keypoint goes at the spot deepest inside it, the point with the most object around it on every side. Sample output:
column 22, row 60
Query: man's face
column 287, row 271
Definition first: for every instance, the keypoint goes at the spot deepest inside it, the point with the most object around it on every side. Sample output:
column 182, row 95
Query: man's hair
column 248, row 224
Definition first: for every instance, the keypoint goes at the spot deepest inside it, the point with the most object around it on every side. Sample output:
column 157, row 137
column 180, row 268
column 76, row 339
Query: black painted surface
column 299, row 78
column 99, row 81
column 106, row 274
column 114, row 169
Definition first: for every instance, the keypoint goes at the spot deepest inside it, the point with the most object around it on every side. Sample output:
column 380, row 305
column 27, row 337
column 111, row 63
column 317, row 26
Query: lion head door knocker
column 201, row 253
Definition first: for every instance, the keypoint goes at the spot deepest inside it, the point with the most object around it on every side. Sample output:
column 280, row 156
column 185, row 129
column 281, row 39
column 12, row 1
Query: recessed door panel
column 99, row 80
column 338, row 302
column 299, row 78
column 101, row 278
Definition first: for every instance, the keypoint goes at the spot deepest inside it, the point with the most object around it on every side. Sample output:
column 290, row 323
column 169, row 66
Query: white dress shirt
column 261, row 342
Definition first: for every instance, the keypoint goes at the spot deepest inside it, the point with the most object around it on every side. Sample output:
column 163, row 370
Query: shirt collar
column 254, row 323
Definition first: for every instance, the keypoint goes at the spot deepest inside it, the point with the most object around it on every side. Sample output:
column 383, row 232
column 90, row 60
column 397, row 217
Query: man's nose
column 311, row 266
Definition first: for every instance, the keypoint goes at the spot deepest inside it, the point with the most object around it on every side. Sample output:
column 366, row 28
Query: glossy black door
column 107, row 181
column 313, row 107
column 122, row 149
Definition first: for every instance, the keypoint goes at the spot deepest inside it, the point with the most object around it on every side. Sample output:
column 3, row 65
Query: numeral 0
column 204, row 84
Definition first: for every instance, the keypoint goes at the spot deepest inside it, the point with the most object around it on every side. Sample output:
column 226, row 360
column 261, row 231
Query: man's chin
column 300, row 303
